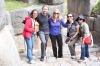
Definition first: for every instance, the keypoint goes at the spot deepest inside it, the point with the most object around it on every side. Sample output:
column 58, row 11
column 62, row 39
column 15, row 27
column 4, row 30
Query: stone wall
column 52, row 2
column 2, row 14
column 85, row 7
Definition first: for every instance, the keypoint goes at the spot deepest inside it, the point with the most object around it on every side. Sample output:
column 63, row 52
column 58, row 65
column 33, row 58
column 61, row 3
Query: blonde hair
column 58, row 14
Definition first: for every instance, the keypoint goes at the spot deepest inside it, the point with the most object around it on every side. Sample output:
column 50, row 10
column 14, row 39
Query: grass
column 13, row 4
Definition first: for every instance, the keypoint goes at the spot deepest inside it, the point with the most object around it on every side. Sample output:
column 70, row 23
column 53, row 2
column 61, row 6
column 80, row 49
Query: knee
column 44, row 42
column 70, row 45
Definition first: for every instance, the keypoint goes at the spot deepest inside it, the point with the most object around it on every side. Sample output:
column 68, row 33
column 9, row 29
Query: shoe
column 73, row 57
column 80, row 61
column 32, row 62
column 60, row 56
column 41, row 59
column 34, row 57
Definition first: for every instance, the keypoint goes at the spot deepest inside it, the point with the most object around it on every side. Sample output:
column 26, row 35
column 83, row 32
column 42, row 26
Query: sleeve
column 76, row 23
column 63, row 24
column 86, row 30
column 27, row 26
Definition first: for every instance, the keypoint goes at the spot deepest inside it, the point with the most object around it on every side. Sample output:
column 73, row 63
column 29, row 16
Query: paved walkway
column 66, row 60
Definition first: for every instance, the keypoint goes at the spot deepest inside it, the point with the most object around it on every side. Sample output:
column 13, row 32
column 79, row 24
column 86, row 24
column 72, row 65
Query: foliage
column 14, row 4
column 97, row 8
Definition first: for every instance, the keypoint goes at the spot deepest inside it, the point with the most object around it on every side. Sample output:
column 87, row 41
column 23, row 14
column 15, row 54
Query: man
column 43, row 30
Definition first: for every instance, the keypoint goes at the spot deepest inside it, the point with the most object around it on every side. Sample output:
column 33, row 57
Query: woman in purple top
column 55, row 23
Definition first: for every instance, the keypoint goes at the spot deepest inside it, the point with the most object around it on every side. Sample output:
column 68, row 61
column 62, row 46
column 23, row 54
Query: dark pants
column 84, row 52
column 54, row 47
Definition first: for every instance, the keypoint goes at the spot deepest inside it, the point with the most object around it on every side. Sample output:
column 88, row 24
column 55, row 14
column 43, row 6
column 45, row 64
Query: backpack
column 24, row 21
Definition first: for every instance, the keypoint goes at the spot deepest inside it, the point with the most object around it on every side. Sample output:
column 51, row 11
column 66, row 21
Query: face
column 35, row 14
column 80, row 21
column 45, row 10
column 56, row 13
column 70, row 17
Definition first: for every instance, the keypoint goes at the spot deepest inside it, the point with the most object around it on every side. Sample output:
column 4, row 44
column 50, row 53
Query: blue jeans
column 30, row 44
column 84, row 52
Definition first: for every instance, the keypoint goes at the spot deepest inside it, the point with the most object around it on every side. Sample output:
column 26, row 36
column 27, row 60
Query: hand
column 36, row 30
column 71, row 38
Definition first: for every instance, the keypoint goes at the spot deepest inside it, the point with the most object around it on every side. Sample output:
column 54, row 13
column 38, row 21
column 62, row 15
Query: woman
column 55, row 32
column 28, row 34
column 85, row 33
column 73, row 31
column 43, row 30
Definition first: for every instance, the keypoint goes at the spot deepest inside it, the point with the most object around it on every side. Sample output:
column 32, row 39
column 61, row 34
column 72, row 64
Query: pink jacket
column 28, row 30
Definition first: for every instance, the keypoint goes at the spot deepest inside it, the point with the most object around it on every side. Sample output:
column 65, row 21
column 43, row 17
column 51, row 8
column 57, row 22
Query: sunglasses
column 69, row 16
column 56, row 13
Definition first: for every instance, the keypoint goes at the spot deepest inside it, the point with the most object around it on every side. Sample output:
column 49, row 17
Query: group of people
column 50, row 26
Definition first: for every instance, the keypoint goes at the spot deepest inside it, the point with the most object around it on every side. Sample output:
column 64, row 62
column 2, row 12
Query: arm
column 27, row 26
column 86, row 31
column 63, row 24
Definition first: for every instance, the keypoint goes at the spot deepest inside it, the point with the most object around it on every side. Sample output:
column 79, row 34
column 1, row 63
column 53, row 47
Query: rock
column 8, row 52
column 93, row 63
column 90, row 21
column 93, row 58
column 10, row 27
column 52, row 2
column 17, row 17
column 20, row 44
column 96, row 36
column 2, row 14
column 8, row 18
column 81, row 6
column 99, row 58
column 97, row 24
column 30, row 1
column 51, row 59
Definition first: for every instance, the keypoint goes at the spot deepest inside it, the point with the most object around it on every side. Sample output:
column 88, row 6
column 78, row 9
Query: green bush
column 97, row 8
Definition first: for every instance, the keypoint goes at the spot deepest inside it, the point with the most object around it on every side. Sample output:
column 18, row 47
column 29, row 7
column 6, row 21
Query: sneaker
column 73, row 57
column 41, row 59
column 32, row 62
column 34, row 57
column 80, row 61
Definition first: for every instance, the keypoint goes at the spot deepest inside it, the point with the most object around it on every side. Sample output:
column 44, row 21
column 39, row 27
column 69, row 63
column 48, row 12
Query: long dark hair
column 31, row 14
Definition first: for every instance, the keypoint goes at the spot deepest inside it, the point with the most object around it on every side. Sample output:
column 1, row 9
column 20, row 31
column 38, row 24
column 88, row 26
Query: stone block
column 2, row 14
column 11, row 29
column 8, row 52
column 52, row 2
column 8, row 18
column 90, row 21
column 81, row 6
column 97, row 24
column 96, row 37
column 17, row 17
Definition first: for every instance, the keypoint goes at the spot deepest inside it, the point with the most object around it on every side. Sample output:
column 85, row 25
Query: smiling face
column 80, row 21
column 56, row 13
column 35, row 14
column 70, row 17
column 45, row 9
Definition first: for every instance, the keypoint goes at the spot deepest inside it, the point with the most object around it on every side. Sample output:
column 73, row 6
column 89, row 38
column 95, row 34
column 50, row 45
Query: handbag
column 88, row 40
